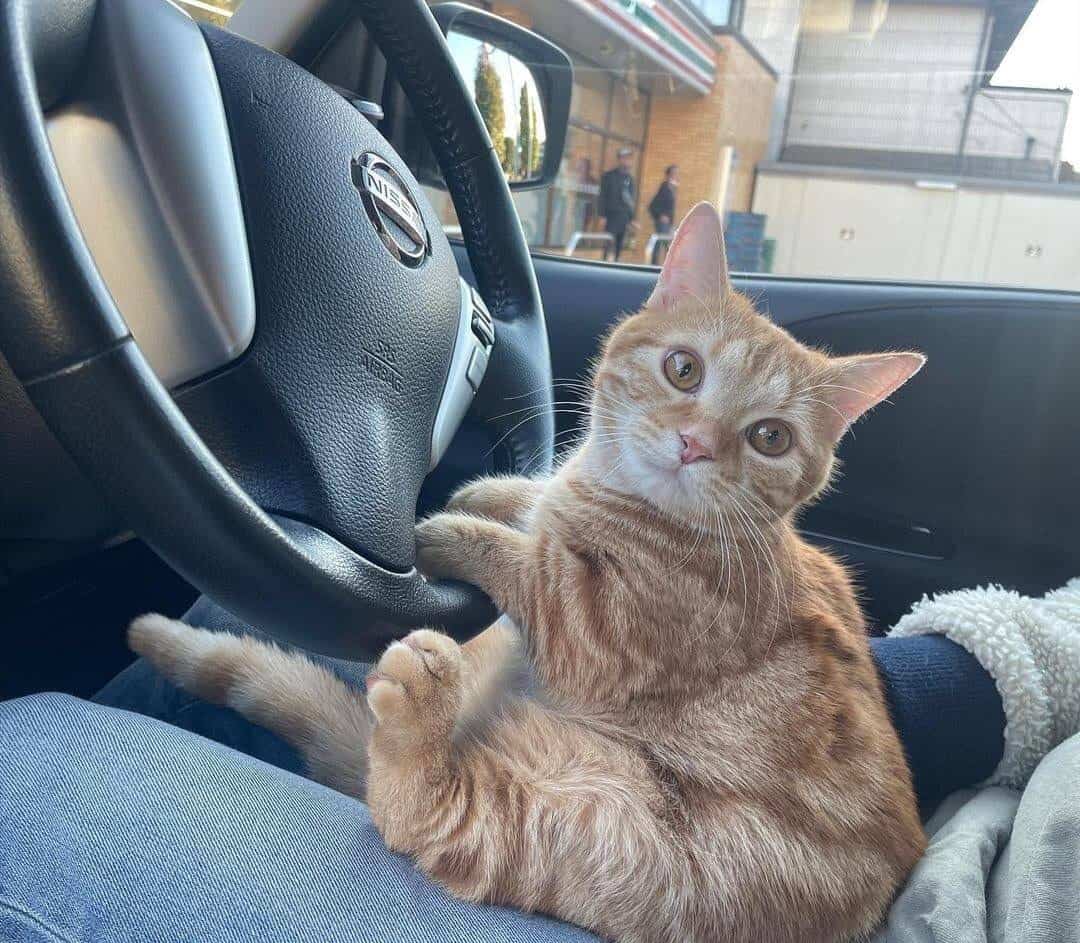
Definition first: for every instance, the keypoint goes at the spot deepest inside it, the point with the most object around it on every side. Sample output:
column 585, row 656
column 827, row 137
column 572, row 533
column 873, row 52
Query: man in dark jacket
column 618, row 199
column 662, row 208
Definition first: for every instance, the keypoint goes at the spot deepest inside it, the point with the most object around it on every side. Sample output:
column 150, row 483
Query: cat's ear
column 696, row 264
column 861, row 382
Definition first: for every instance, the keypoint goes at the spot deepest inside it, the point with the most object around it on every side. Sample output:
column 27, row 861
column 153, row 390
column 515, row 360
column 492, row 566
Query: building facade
column 899, row 87
column 897, row 159
column 667, row 78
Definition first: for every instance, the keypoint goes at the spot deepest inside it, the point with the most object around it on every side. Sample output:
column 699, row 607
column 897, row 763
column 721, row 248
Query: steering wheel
column 283, row 482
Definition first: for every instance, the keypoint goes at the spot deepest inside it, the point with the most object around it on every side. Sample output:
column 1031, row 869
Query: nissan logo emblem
column 392, row 210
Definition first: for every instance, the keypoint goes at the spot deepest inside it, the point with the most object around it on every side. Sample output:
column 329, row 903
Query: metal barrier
column 602, row 237
column 654, row 240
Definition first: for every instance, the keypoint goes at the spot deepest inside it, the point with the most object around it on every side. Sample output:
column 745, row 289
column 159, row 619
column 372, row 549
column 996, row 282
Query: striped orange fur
column 705, row 753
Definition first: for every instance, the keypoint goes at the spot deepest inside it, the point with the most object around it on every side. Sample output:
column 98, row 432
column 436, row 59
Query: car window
column 914, row 140
column 217, row 12
column 885, row 139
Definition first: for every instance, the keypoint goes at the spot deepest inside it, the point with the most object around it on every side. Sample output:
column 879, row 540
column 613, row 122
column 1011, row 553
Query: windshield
column 217, row 12
column 882, row 139
column 908, row 140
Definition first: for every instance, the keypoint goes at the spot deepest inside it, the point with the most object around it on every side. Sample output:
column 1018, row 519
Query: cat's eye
column 683, row 370
column 770, row 437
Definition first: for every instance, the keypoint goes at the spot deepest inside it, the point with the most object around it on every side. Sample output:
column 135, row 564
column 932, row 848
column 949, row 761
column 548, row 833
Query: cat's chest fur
column 733, row 654
column 683, row 607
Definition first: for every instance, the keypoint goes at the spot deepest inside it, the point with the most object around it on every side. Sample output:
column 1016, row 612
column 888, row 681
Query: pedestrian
column 662, row 209
column 618, row 199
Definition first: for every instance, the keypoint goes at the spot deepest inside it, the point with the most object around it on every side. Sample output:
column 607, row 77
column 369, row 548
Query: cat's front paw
column 439, row 542
column 472, row 498
column 415, row 689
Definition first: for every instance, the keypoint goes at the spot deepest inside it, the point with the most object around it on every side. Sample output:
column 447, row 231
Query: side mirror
column 521, row 84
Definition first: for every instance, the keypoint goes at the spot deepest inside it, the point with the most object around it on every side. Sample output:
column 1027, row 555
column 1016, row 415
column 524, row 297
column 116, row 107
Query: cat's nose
column 693, row 449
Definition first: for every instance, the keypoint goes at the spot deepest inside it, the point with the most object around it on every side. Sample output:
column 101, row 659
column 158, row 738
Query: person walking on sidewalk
column 662, row 209
column 618, row 199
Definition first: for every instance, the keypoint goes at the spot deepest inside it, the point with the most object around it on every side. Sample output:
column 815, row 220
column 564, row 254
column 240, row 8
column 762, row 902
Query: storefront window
column 575, row 192
column 606, row 114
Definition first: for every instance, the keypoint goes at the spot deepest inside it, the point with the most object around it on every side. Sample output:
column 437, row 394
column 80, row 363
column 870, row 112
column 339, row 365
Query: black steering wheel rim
column 70, row 347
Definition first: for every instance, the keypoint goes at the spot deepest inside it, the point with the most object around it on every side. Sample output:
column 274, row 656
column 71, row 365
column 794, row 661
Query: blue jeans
column 116, row 826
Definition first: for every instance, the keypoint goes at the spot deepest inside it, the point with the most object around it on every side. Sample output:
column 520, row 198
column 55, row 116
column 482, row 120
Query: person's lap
column 139, row 688
column 943, row 704
column 144, row 831
column 118, row 827
column 377, row 877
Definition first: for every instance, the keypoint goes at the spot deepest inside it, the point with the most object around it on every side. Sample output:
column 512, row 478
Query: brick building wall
column 695, row 131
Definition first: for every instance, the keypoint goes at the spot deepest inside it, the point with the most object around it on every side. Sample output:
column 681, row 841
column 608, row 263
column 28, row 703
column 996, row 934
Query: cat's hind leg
column 537, row 812
column 306, row 704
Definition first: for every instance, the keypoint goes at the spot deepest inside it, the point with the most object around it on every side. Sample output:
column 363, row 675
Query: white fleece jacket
column 1031, row 648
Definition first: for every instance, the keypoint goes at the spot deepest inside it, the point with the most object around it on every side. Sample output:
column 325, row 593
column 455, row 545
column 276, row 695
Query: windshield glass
column 217, row 12
column 885, row 139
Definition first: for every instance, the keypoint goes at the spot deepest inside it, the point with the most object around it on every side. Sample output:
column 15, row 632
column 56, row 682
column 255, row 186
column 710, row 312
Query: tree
column 489, row 100
column 528, row 142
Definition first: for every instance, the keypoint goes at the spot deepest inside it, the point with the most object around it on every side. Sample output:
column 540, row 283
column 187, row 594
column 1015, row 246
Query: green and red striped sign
column 659, row 32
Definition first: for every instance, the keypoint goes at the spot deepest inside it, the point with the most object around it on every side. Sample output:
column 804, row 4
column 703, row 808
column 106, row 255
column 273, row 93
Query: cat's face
column 702, row 406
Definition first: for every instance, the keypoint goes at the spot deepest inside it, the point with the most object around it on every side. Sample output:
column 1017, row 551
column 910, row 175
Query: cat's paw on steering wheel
column 439, row 542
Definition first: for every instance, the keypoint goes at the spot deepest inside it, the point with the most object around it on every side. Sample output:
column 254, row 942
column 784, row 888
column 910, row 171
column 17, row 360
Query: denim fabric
column 117, row 827
column 141, row 689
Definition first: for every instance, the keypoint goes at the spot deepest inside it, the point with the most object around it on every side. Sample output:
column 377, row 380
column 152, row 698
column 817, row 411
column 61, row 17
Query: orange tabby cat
column 706, row 753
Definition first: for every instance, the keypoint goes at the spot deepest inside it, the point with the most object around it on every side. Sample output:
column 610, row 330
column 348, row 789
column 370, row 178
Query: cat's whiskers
column 793, row 563
column 700, row 528
column 721, row 520
column 785, row 598
column 724, row 569
column 725, row 554
column 576, row 439
column 756, row 503
column 568, row 406
column 771, row 564
column 761, row 555
column 561, row 442
column 591, row 393
column 725, row 561
column 611, row 471
column 538, row 412
column 558, row 381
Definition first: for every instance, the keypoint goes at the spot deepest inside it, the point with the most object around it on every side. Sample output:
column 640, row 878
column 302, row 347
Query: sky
column 1046, row 54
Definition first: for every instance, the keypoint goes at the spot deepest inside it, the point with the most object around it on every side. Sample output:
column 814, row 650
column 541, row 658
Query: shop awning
column 660, row 37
